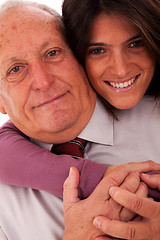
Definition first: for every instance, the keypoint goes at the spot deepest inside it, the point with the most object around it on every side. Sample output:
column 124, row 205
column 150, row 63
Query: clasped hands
column 117, row 209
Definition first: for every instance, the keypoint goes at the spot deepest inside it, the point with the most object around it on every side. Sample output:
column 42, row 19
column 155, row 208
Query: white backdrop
column 56, row 4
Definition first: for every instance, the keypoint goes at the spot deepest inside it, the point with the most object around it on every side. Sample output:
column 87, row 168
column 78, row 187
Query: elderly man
column 46, row 93
column 47, row 96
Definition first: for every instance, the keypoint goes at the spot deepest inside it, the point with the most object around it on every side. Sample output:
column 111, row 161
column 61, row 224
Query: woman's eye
column 96, row 51
column 136, row 44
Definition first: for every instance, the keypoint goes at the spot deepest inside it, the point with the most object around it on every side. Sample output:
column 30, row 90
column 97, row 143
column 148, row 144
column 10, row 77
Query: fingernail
column 96, row 223
column 112, row 191
column 146, row 175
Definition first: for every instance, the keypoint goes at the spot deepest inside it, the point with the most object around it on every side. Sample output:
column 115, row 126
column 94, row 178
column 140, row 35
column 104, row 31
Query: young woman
column 118, row 44
column 119, row 48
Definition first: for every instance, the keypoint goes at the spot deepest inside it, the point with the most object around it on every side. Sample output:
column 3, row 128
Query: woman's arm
column 23, row 163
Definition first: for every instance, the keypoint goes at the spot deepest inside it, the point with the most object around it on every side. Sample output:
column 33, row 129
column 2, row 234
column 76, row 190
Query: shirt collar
column 100, row 128
column 47, row 146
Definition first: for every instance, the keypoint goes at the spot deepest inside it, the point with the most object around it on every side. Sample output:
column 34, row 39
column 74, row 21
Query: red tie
column 75, row 148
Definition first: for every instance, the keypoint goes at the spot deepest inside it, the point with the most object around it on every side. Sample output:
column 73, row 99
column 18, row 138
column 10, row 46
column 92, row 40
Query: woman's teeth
column 124, row 84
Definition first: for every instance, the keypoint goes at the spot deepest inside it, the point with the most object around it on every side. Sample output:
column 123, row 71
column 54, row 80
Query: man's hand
column 79, row 215
column 147, row 227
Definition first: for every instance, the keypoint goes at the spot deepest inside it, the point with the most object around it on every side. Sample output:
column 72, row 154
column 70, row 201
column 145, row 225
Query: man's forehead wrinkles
column 32, row 51
column 7, row 62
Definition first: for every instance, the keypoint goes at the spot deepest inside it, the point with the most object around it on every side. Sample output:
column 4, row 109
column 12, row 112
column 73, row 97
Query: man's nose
column 41, row 78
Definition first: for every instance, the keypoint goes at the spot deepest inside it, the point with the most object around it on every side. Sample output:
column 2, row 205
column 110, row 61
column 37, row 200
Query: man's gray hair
column 18, row 3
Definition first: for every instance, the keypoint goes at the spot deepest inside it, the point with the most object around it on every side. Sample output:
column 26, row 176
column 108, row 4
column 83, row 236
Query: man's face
column 42, row 87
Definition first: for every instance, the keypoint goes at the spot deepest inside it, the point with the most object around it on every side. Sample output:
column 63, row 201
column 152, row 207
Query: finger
column 152, row 181
column 142, row 206
column 143, row 166
column 131, row 183
column 70, row 188
column 142, row 191
column 131, row 230
column 140, row 167
column 126, row 214
column 114, row 178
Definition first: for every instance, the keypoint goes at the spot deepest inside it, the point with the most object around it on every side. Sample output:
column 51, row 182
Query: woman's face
column 118, row 64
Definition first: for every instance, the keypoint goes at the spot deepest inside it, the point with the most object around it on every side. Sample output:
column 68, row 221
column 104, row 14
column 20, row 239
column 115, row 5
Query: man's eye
column 15, row 69
column 52, row 53
column 17, row 73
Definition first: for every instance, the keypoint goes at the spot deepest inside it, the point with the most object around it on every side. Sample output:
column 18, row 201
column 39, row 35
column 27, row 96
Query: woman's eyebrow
column 94, row 44
column 97, row 44
column 133, row 38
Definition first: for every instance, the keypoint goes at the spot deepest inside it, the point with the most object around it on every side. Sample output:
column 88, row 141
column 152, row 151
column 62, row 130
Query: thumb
column 70, row 189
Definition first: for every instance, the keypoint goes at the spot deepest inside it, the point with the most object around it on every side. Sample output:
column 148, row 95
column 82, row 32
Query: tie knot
column 75, row 148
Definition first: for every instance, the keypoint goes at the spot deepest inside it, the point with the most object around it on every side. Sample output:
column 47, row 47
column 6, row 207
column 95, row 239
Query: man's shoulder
column 26, row 212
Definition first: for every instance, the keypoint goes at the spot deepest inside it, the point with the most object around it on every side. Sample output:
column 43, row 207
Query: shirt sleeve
column 23, row 163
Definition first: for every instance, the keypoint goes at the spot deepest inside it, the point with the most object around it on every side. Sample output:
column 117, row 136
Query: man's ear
column 2, row 109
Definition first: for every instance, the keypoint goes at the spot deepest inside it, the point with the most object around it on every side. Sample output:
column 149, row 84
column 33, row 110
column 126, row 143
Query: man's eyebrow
column 45, row 44
column 10, row 60
column 13, row 59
